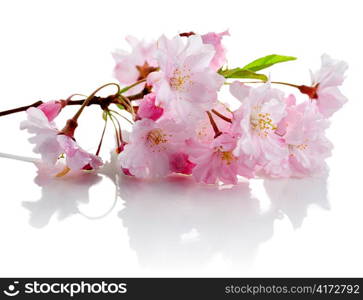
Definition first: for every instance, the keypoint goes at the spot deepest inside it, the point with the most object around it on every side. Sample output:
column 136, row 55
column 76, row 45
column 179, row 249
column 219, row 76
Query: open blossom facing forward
column 216, row 161
column 152, row 148
column 185, row 85
column 179, row 124
column 262, row 108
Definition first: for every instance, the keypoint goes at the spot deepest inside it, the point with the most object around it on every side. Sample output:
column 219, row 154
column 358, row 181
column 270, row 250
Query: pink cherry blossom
column 217, row 162
column 150, row 147
column 305, row 137
column 185, row 85
column 45, row 135
column 51, row 144
column 255, row 123
column 76, row 157
column 215, row 39
column 148, row 109
column 51, row 109
column 179, row 125
column 326, row 81
column 135, row 65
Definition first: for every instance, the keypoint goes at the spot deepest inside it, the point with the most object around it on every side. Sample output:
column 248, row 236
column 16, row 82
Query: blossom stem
column 117, row 113
column 214, row 125
column 90, row 97
column 274, row 82
column 131, row 110
column 286, row 83
column 117, row 127
column 221, row 116
column 131, row 86
column 102, row 136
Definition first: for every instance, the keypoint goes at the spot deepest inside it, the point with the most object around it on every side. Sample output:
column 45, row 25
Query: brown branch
column 104, row 102
column 19, row 109
column 138, row 96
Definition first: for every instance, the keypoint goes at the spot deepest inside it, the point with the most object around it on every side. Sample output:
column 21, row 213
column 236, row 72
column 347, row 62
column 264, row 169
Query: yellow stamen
column 156, row 138
column 227, row 156
column 64, row 172
column 262, row 122
column 180, row 79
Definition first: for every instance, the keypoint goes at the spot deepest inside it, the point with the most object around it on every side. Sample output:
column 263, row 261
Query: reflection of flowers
column 176, row 223
column 293, row 196
column 59, row 196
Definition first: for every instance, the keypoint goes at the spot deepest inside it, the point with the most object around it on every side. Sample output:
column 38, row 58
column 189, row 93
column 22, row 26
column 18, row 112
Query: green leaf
column 242, row 73
column 120, row 106
column 267, row 61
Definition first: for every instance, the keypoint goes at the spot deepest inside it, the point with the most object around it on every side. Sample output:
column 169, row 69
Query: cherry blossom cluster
column 169, row 91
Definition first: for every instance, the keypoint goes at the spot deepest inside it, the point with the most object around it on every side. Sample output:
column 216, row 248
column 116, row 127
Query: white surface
column 310, row 227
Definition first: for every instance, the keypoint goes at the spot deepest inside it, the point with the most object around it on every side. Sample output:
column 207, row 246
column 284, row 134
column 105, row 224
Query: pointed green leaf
column 120, row 106
column 267, row 61
column 241, row 73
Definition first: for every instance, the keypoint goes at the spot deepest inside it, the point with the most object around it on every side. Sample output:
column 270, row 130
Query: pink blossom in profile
column 185, row 86
column 135, row 65
column 151, row 144
column 45, row 135
column 306, row 140
column 51, row 109
column 255, row 124
column 326, row 82
column 51, row 144
column 216, row 161
column 215, row 39
column 76, row 157
column 148, row 109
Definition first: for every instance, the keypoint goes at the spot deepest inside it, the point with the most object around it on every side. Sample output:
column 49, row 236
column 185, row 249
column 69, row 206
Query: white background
column 310, row 227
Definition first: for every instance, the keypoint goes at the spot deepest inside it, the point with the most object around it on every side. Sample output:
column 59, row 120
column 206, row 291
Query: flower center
column 145, row 70
column 300, row 147
column 156, row 137
column 226, row 156
column 180, row 79
column 261, row 122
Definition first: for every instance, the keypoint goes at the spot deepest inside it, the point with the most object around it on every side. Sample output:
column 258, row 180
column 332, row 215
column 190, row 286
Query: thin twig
column 20, row 109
